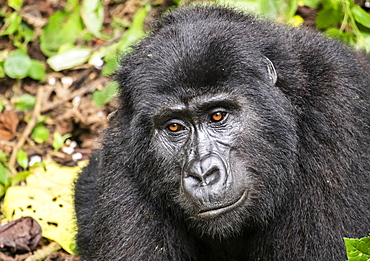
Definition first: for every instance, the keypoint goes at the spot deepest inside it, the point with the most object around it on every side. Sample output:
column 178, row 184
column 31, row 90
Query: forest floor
column 65, row 100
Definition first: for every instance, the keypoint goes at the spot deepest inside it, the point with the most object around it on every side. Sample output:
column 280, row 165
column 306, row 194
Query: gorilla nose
column 207, row 177
column 205, row 172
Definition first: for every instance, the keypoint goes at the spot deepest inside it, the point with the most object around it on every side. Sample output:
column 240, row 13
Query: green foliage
column 4, row 183
column 40, row 133
column 5, row 180
column 93, row 16
column 37, row 70
column 131, row 36
column 105, row 95
column 358, row 249
column 16, row 4
column 17, row 64
column 59, row 140
column 25, row 102
column 22, row 159
column 13, row 21
column 329, row 17
column 63, row 28
column 353, row 22
column 281, row 10
column 69, row 58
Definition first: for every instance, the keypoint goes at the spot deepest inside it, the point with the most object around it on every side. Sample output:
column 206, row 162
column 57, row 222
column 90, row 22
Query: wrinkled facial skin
column 202, row 138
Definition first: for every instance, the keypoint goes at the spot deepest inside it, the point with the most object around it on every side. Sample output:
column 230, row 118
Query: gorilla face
column 202, row 138
column 212, row 144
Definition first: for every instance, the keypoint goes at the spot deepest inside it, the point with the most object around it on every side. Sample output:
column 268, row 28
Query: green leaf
column 358, row 249
column 26, row 32
column 17, row 64
column 19, row 177
column 105, row 95
column 328, row 17
column 15, row 4
column 13, row 21
column 69, row 59
column 311, row 3
column 40, row 134
column 2, row 72
column 3, row 157
column 343, row 36
column 361, row 16
column 59, row 140
column 111, row 64
column 1, row 105
column 93, row 15
column 3, row 175
column 63, row 27
column 37, row 70
column 135, row 32
column 26, row 102
column 22, row 159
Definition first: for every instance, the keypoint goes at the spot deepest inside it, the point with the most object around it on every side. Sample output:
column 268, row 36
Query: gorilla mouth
column 210, row 213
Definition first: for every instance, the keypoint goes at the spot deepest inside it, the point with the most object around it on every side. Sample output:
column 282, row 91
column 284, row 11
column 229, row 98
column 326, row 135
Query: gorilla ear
column 270, row 70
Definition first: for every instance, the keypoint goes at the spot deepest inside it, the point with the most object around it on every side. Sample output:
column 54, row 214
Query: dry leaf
column 8, row 125
column 23, row 234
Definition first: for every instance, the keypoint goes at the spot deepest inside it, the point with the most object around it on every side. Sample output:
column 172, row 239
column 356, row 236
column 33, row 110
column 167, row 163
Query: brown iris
column 218, row 116
column 174, row 127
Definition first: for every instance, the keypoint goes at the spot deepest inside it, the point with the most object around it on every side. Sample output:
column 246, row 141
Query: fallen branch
column 44, row 252
column 27, row 131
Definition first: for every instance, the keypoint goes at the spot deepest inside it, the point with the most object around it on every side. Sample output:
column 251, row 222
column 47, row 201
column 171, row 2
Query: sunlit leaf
column 311, row 3
column 2, row 74
column 16, row 4
column 13, row 21
column 17, row 64
column 47, row 197
column 105, row 95
column 59, row 140
column 3, row 175
column 361, row 16
column 93, row 15
column 26, row 102
column 40, row 134
column 37, row 70
column 22, row 159
column 69, row 59
column 110, row 65
column 135, row 32
column 63, row 27
column 358, row 249
column 19, row 177
column 328, row 17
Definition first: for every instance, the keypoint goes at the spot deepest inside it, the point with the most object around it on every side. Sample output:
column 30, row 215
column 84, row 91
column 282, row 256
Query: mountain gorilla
column 236, row 139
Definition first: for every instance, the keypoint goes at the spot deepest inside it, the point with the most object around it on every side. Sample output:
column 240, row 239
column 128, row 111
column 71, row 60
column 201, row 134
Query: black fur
column 305, row 146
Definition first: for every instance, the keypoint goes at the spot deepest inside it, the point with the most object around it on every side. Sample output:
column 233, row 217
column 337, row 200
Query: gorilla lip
column 222, row 209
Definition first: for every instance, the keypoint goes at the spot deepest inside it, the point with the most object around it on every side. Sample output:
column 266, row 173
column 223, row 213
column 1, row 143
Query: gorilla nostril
column 212, row 176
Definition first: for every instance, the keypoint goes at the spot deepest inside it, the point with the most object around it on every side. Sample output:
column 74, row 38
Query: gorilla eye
column 174, row 127
column 218, row 116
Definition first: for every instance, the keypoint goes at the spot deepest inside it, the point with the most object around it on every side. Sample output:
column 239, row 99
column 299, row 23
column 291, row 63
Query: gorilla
column 235, row 139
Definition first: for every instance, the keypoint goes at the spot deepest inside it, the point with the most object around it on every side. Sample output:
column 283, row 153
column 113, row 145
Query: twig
column 79, row 92
column 27, row 130
column 44, row 252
